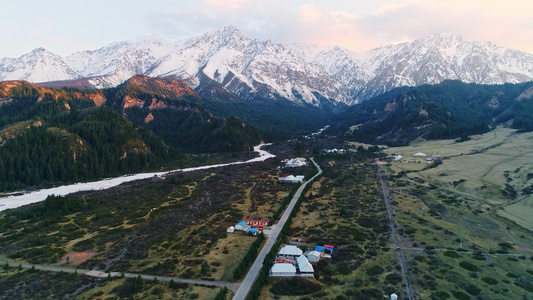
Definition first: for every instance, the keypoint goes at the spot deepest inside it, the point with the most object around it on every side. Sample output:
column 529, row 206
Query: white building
column 290, row 251
column 314, row 256
column 292, row 179
column 305, row 267
column 282, row 270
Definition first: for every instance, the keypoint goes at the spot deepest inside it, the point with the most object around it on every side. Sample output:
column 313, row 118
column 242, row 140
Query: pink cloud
column 226, row 3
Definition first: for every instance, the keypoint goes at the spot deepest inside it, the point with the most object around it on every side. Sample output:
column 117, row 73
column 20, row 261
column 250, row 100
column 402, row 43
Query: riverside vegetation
column 174, row 227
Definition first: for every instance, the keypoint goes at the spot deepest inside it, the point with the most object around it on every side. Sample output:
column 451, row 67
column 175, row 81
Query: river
column 17, row 199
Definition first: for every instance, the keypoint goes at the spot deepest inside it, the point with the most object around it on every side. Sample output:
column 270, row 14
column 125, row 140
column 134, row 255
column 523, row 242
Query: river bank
column 18, row 199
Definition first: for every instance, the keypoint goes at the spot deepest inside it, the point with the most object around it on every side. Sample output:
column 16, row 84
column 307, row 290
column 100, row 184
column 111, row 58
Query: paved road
column 384, row 190
column 95, row 273
column 253, row 273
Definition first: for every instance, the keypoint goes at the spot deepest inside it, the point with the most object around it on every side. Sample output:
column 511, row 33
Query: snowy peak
column 302, row 73
column 39, row 65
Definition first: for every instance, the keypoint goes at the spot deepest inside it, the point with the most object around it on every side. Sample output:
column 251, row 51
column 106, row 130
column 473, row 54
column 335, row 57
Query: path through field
column 401, row 259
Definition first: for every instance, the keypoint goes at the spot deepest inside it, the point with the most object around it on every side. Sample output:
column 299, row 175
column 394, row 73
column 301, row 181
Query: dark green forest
column 54, row 139
column 452, row 109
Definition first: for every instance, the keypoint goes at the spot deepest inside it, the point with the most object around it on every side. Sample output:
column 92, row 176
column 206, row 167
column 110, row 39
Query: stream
column 17, row 199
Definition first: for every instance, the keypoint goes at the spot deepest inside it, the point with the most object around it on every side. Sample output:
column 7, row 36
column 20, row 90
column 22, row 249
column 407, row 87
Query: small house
column 283, row 270
column 252, row 231
column 314, row 256
column 327, row 250
column 240, row 226
column 231, row 229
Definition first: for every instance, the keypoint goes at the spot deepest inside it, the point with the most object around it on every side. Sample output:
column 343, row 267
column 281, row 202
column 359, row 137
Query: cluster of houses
column 429, row 159
column 292, row 179
column 334, row 150
column 293, row 163
column 249, row 226
column 291, row 261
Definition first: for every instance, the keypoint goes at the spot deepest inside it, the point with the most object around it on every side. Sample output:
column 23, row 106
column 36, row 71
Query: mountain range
column 227, row 60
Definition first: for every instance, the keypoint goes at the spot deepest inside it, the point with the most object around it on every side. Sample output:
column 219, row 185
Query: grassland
column 344, row 209
column 495, row 171
column 466, row 221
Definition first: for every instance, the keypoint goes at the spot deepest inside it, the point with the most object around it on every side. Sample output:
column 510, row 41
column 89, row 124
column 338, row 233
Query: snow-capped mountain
column 38, row 65
column 301, row 73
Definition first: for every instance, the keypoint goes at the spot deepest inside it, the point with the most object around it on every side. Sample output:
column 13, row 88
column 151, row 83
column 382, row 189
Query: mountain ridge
column 300, row 73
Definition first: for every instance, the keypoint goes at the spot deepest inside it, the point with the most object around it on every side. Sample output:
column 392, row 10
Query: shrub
column 460, row 295
column 295, row 286
column 451, row 254
column 468, row 266
column 442, row 295
column 374, row 270
column 472, row 290
column 489, row 280
column 393, row 279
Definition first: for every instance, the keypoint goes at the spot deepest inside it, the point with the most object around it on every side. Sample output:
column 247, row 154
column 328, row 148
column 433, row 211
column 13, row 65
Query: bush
column 460, row 295
column 393, row 279
column 489, row 280
column 472, row 290
column 451, row 254
column 442, row 295
column 295, row 286
column 468, row 266
column 374, row 270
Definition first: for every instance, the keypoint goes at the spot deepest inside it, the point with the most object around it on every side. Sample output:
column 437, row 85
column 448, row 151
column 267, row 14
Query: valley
column 416, row 187
column 459, row 240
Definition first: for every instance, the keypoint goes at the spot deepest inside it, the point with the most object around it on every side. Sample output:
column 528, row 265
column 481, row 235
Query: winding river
column 16, row 199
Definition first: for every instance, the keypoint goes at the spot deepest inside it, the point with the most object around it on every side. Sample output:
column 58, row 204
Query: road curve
column 253, row 273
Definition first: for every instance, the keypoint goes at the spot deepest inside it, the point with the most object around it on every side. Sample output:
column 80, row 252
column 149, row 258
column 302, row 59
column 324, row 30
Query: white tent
column 230, row 229
column 282, row 270
column 393, row 296
column 419, row 154
column 306, row 269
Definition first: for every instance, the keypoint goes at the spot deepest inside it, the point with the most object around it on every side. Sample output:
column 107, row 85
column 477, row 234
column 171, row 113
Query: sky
column 67, row 26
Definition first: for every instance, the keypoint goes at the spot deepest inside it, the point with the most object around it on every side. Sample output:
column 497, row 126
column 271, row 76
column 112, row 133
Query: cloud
column 226, row 3
column 473, row 20
column 350, row 24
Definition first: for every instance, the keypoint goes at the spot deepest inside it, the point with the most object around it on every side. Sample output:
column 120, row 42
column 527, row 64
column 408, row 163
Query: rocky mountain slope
column 451, row 109
column 251, row 68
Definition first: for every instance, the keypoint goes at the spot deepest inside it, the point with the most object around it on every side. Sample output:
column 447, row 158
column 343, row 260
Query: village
column 290, row 260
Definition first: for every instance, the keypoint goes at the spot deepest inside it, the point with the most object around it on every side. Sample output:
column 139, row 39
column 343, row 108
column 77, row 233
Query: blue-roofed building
column 240, row 226
column 326, row 249
column 253, row 231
